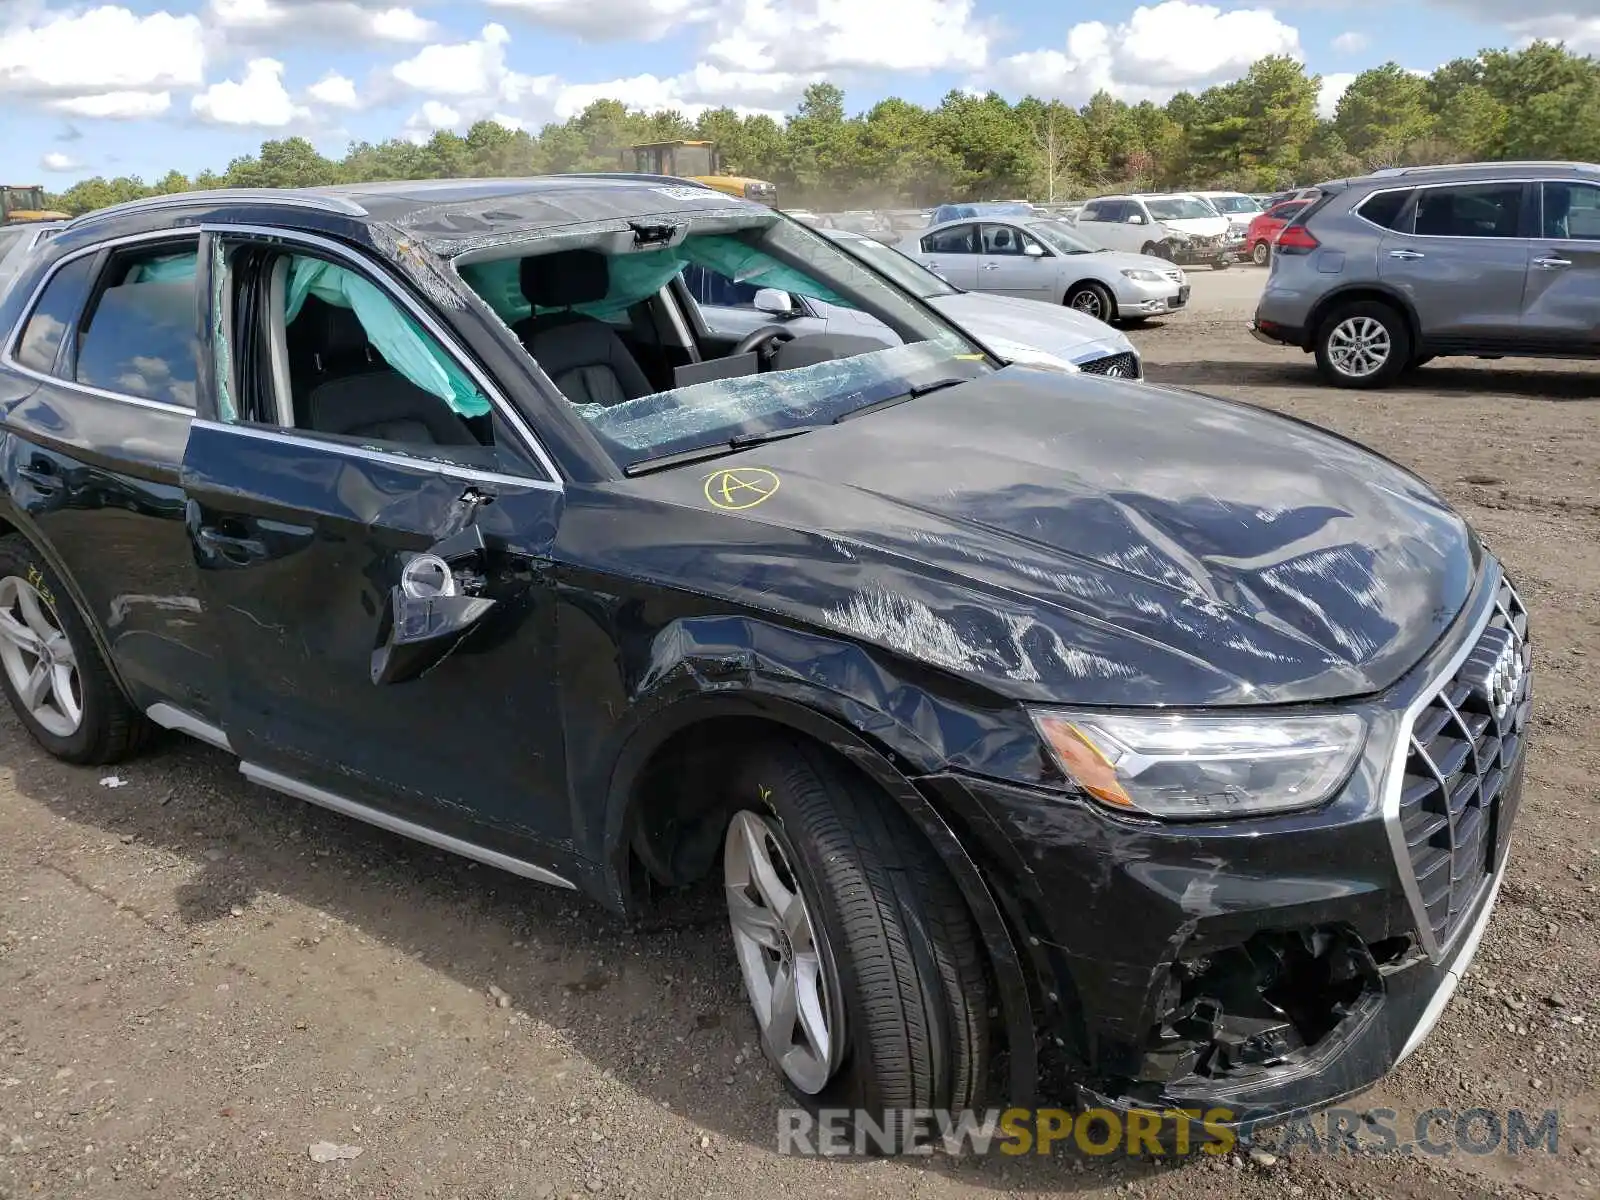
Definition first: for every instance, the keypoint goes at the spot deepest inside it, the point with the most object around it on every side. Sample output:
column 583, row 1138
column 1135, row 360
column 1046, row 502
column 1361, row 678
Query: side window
column 958, row 239
column 1089, row 212
column 1006, row 239
column 715, row 289
column 56, row 313
column 1572, row 211
column 1383, row 209
column 1112, row 211
column 140, row 338
column 320, row 348
column 1476, row 210
column 1282, row 212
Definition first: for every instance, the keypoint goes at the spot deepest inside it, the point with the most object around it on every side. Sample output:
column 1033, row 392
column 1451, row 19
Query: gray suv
column 1385, row 272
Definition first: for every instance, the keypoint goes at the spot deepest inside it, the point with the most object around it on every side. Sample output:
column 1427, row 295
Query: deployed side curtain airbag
column 398, row 338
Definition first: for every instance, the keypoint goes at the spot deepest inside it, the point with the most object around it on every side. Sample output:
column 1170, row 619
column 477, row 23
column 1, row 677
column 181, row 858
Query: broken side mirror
column 429, row 613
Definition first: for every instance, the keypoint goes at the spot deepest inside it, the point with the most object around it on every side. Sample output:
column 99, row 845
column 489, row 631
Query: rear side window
column 957, row 240
column 1384, row 209
column 1477, row 210
column 141, row 339
column 56, row 312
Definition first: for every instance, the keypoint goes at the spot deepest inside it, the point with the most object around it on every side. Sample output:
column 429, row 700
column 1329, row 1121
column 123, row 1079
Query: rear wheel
column 1092, row 299
column 859, row 957
column 1363, row 345
column 51, row 669
column 1261, row 254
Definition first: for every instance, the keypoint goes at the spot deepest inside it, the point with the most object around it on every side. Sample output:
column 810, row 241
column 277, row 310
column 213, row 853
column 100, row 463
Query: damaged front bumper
column 1273, row 966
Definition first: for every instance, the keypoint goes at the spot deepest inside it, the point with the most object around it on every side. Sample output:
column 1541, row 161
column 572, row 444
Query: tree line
column 1259, row 133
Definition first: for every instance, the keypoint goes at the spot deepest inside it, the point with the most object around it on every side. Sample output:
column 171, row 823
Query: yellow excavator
column 23, row 202
column 698, row 161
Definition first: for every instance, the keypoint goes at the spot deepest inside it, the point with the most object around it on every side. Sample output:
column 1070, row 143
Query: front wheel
column 1093, row 300
column 1157, row 250
column 51, row 669
column 1363, row 345
column 859, row 958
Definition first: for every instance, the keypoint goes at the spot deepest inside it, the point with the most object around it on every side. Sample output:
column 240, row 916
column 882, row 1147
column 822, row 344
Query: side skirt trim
column 383, row 820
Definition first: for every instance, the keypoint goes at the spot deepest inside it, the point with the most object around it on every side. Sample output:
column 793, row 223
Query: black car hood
column 1084, row 541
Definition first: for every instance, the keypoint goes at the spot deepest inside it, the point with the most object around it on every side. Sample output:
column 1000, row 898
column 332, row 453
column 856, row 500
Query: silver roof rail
column 323, row 201
column 1510, row 165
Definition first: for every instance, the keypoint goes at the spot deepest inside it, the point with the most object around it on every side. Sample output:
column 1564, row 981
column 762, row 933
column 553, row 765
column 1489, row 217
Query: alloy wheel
column 782, row 954
column 38, row 658
column 1359, row 347
column 1261, row 254
column 1088, row 303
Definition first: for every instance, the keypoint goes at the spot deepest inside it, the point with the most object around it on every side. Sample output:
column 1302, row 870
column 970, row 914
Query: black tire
column 110, row 728
column 1084, row 293
column 1394, row 327
column 904, row 951
column 1157, row 250
column 1419, row 360
column 1219, row 265
column 1261, row 253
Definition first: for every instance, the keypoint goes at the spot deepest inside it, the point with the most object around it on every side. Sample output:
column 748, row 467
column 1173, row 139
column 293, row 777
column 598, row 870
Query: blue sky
column 143, row 85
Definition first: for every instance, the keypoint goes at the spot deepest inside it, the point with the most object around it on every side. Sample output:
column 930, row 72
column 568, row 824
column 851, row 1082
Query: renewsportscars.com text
column 1163, row 1132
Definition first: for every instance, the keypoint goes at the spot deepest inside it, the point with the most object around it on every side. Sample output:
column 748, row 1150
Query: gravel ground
column 201, row 981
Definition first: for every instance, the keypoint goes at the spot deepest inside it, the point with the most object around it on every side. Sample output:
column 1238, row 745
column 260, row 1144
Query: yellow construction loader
column 23, row 202
column 698, row 161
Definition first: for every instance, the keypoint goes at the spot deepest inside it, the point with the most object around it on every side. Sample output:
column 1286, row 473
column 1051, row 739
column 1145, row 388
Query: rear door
column 1006, row 268
column 316, row 479
column 1561, row 308
column 1458, row 253
column 952, row 254
column 93, row 455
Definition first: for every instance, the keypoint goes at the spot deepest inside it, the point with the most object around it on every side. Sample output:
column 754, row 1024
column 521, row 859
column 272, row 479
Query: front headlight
column 1144, row 276
column 1194, row 767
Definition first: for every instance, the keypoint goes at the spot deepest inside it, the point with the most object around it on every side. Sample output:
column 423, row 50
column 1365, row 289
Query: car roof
column 447, row 212
column 1466, row 172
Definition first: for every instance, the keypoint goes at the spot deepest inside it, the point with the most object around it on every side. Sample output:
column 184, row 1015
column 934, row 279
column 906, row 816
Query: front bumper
column 1265, row 967
column 1146, row 298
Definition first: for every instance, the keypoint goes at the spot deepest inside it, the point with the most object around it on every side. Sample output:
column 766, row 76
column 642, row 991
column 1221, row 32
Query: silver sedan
column 1045, row 260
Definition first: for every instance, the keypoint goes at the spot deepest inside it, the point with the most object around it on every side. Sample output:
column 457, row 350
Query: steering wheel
column 766, row 338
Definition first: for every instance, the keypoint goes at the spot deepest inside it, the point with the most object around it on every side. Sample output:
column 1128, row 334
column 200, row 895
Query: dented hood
column 1087, row 541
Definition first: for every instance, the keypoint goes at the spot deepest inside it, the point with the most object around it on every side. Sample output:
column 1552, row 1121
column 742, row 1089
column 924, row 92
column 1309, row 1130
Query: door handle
column 1551, row 263
column 931, row 265
column 1407, row 255
column 44, row 480
column 991, row 266
column 241, row 551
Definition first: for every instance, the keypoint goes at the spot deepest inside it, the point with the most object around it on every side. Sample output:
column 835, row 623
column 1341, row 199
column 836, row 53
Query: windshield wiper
column 739, row 441
column 922, row 389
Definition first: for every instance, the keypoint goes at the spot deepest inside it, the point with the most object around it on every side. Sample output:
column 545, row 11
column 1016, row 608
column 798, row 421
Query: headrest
column 342, row 332
column 565, row 278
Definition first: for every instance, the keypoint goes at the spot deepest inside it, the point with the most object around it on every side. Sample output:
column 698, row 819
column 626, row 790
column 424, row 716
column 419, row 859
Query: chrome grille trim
column 1454, row 839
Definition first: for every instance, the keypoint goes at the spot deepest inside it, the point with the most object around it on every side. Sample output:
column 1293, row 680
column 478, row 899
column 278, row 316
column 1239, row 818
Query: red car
column 1264, row 229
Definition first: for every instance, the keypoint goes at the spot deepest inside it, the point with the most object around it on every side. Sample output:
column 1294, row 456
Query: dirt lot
column 199, row 979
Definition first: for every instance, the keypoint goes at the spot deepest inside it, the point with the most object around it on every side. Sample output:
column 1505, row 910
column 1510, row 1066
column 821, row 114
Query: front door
column 1561, row 309
column 1007, row 268
column 729, row 311
column 322, row 476
column 1458, row 254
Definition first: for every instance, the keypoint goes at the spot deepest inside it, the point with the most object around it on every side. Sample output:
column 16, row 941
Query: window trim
column 1415, row 188
column 279, row 237
column 14, row 335
column 974, row 236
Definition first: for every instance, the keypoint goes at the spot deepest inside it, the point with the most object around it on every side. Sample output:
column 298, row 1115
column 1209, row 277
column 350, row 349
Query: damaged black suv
column 1020, row 711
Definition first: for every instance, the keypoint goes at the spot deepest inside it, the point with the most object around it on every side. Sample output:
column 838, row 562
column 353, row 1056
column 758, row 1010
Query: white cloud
column 269, row 22
column 103, row 62
column 57, row 161
column 335, row 91
column 1333, row 87
column 1580, row 33
column 429, row 119
column 115, row 105
column 473, row 81
column 610, row 20
column 1159, row 50
column 1351, row 43
column 797, row 36
column 690, row 93
column 259, row 99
